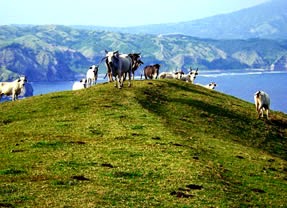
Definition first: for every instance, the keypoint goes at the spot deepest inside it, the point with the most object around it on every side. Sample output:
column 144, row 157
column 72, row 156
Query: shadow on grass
column 189, row 89
column 219, row 119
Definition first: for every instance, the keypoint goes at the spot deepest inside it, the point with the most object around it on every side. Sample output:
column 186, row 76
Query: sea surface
column 244, row 85
column 239, row 84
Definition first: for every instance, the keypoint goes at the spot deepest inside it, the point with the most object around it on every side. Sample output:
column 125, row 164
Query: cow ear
column 116, row 54
column 106, row 51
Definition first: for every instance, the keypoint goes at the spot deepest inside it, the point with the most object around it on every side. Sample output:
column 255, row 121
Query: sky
column 114, row 13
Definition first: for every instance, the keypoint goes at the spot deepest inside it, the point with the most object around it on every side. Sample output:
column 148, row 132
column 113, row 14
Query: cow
column 136, row 62
column 109, row 71
column 211, row 85
column 171, row 75
column 92, row 75
column 190, row 76
column 151, row 71
column 82, row 84
column 117, row 66
column 262, row 103
column 13, row 88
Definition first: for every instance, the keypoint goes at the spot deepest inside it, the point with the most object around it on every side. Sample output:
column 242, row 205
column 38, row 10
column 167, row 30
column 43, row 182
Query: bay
column 242, row 85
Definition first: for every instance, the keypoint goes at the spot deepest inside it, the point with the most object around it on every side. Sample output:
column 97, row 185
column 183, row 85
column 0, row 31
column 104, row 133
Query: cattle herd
column 123, row 66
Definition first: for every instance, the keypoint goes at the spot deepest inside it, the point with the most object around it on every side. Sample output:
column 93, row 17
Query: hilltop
column 160, row 143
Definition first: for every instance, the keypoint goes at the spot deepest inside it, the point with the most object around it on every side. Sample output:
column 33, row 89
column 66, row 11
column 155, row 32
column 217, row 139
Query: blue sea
column 239, row 84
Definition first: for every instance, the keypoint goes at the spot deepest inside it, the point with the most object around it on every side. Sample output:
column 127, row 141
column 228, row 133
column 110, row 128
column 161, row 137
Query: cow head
column 84, row 82
column 212, row 85
column 257, row 94
column 112, row 58
column 135, row 56
column 136, row 62
column 157, row 66
column 94, row 68
column 22, row 80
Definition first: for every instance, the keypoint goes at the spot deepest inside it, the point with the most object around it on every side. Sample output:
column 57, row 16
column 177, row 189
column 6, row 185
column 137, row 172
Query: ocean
column 242, row 85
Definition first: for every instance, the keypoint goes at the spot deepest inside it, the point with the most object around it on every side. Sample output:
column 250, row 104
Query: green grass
column 160, row 143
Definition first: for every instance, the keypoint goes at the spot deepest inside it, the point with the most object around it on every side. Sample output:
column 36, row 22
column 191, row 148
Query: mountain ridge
column 267, row 20
column 55, row 52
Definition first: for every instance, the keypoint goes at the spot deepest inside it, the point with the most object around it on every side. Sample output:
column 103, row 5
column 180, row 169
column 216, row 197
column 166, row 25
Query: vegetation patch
column 127, row 175
column 48, row 144
column 12, row 171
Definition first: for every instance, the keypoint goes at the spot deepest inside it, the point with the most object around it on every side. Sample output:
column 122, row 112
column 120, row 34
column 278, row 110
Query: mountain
column 54, row 52
column 267, row 20
column 35, row 53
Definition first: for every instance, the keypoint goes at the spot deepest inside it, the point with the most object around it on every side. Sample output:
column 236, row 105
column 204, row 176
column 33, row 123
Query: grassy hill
column 160, row 143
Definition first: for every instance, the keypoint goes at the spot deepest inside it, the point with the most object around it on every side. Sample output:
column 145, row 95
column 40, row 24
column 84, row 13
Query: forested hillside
column 54, row 52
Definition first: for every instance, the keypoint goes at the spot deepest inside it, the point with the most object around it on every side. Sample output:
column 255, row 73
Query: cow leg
column 119, row 82
column 88, row 82
column 130, row 79
column 261, row 112
column 122, row 78
column 13, row 97
column 115, row 81
column 110, row 76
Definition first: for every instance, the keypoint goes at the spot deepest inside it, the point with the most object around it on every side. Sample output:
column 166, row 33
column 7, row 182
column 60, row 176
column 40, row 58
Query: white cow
column 171, row 75
column 190, row 77
column 82, row 84
column 262, row 103
column 92, row 75
column 12, row 88
column 211, row 85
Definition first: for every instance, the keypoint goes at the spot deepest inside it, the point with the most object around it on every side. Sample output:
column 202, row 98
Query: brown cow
column 151, row 71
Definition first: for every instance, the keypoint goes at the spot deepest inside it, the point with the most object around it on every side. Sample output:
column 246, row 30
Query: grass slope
column 160, row 143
